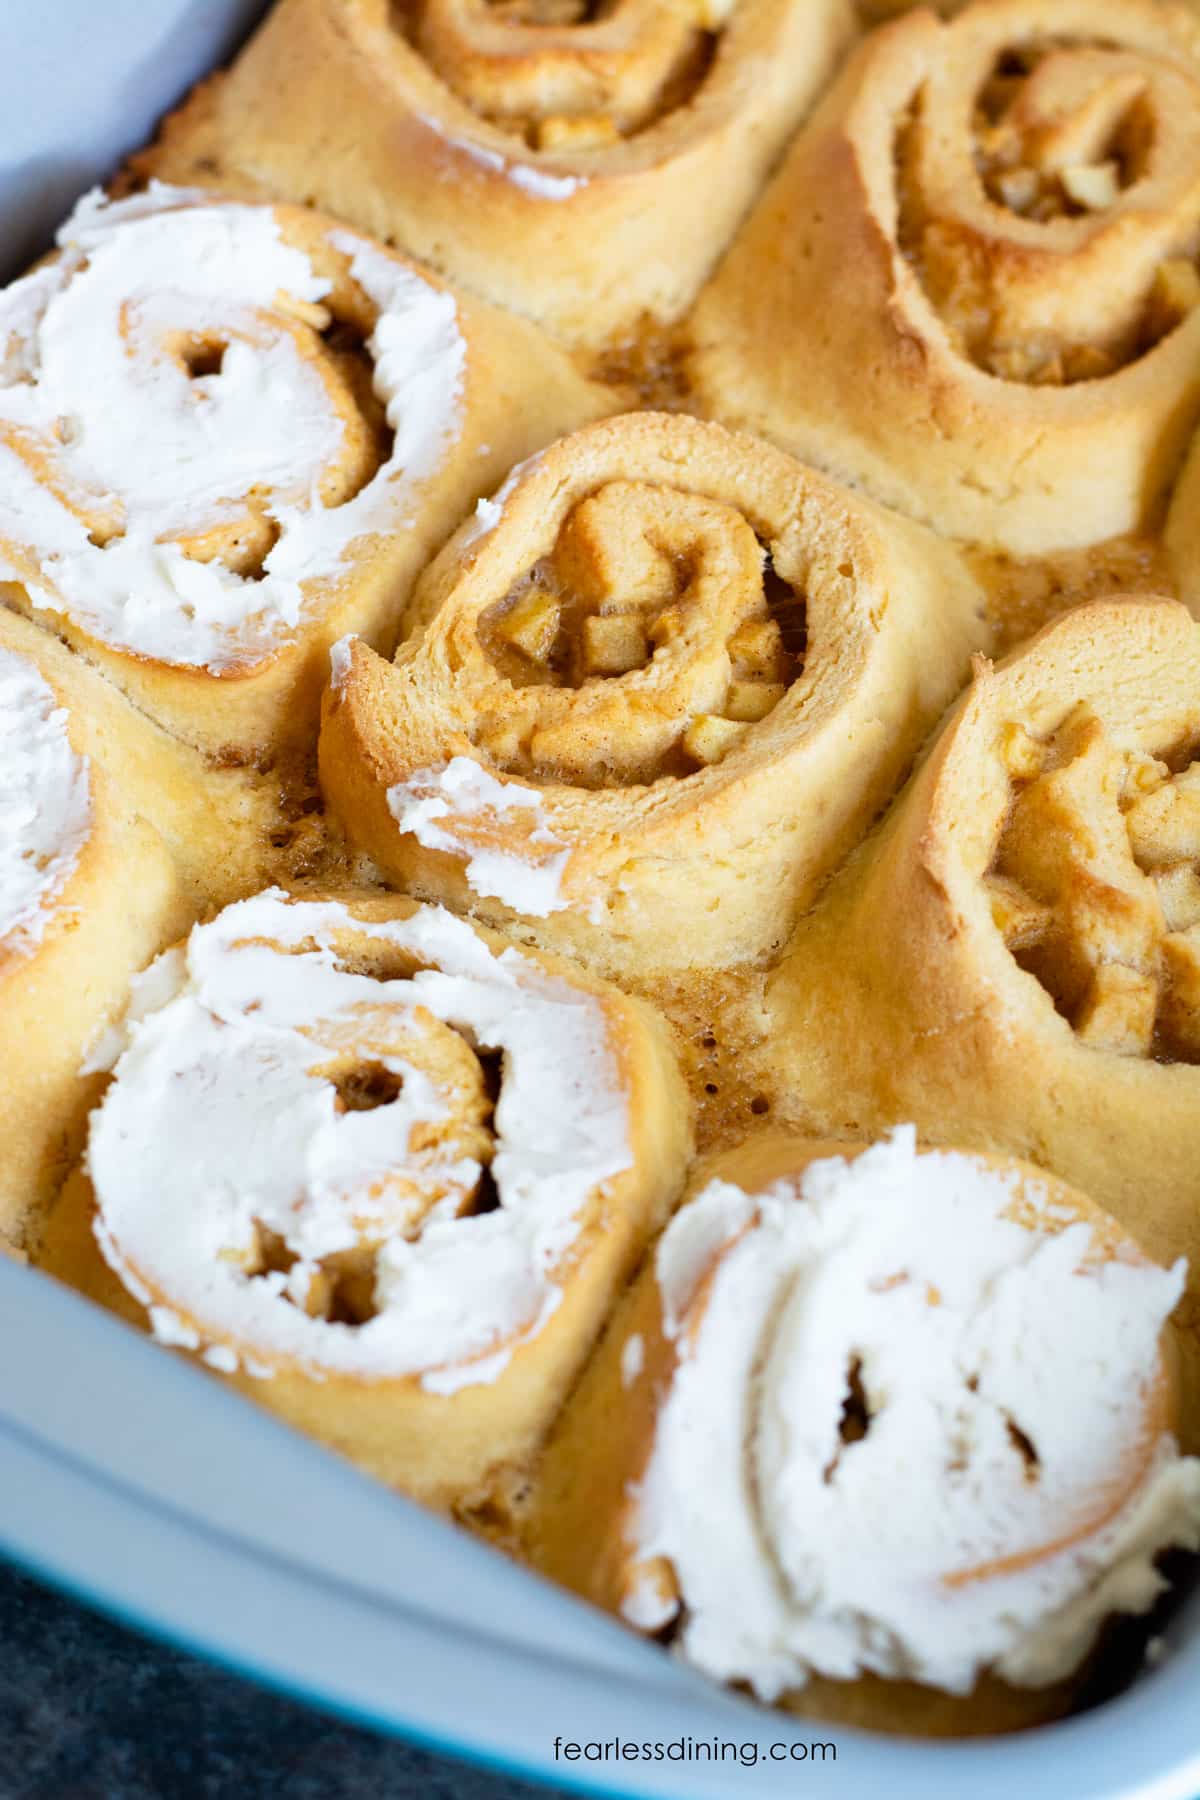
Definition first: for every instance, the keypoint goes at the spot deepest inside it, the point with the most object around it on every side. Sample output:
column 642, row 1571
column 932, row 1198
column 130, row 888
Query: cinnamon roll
column 88, row 892
column 581, row 164
column 1007, row 209
column 884, row 1436
column 655, row 691
column 230, row 433
column 379, row 1172
column 1013, row 960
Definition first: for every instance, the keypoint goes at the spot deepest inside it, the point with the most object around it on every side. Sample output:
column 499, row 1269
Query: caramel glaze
column 1023, row 595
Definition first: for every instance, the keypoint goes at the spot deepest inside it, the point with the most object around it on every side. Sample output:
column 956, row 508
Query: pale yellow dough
column 1041, row 819
column 702, row 741
column 972, row 285
column 586, row 172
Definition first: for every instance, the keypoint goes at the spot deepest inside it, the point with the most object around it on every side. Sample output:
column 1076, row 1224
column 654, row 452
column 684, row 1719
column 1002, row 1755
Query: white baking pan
column 140, row 1485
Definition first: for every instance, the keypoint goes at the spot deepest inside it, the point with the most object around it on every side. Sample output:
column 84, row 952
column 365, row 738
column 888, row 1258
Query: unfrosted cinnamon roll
column 1013, row 960
column 973, row 286
column 582, row 164
column 655, row 691
column 379, row 1172
column 88, row 892
column 229, row 433
column 883, row 1435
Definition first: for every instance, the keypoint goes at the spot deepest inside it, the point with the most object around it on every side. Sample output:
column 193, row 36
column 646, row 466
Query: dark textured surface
column 89, row 1711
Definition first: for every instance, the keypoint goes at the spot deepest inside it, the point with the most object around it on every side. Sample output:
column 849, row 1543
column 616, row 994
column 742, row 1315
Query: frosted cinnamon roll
column 884, row 1436
column 1036, row 987
column 581, row 164
column 655, row 691
column 88, row 892
column 1007, row 207
column 380, row 1173
column 230, row 433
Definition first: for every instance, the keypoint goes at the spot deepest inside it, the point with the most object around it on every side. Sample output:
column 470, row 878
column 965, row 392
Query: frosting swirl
column 870, row 1369
column 360, row 1147
column 203, row 405
column 45, row 804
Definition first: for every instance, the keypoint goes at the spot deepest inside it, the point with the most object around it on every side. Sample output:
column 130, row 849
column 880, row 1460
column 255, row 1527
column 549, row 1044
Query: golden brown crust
column 815, row 682
column 1018, row 371
column 584, row 229
column 926, row 1014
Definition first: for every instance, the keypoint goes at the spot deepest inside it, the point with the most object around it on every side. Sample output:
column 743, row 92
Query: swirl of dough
column 365, row 1163
column 185, row 443
column 652, row 631
column 583, row 164
column 1022, row 183
column 1050, row 193
column 565, row 74
column 1043, row 972
column 631, row 677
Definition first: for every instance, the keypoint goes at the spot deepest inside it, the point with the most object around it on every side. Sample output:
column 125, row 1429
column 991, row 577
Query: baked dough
column 1010, row 960
column 1006, row 207
column 585, row 169
column 655, row 692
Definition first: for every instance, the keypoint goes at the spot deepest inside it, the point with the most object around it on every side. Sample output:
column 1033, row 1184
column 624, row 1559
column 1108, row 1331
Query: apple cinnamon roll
column 229, row 433
column 655, row 692
column 581, row 164
column 88, row 892
column 380, row 1173
column 883, row 1435
column 1013, row 960
column 1006, row 206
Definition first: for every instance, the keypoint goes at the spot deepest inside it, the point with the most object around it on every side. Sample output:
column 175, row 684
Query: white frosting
column 536, row 182
column 633, row 1359
column 543, row 186
column 100, row 421
column 433, row 804
column 488, row 513
column 339, row 660
column 219, row 1116
column 45, row 807
column 971, row 1337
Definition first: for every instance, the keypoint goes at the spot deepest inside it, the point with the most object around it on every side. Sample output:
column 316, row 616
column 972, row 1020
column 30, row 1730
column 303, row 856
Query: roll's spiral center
column 647, row 642
column 567, row 75
column 1049, row 195
column 249, row 415
column 1095, row 885
column 388, row 1067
